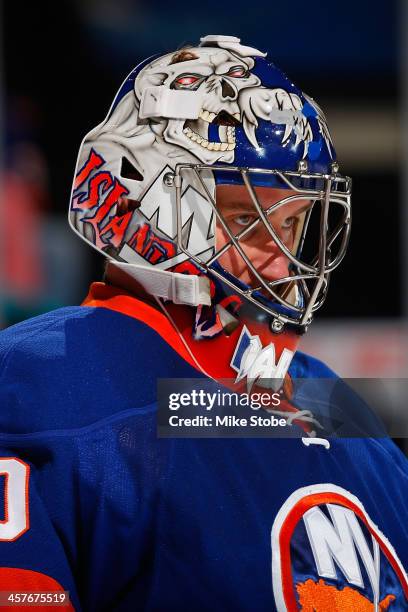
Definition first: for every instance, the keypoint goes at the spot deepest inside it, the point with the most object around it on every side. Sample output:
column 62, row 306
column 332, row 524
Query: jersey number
column 15, row 518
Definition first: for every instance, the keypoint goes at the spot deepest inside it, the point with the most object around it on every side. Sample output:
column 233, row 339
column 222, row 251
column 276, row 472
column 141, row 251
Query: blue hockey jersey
column 92, row 502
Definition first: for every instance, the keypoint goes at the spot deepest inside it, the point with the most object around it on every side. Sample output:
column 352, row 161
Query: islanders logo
column 328, row 555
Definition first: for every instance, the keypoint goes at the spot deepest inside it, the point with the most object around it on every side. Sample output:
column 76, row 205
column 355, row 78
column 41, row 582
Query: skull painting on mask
column 218, row 76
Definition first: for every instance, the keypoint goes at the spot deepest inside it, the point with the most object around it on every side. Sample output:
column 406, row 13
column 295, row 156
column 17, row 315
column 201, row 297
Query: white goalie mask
column 183, row 127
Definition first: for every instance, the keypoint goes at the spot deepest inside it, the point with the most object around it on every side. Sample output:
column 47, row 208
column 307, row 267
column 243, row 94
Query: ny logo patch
column 327, row 554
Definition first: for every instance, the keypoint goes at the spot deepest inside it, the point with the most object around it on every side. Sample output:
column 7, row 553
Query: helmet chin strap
column 187, row 289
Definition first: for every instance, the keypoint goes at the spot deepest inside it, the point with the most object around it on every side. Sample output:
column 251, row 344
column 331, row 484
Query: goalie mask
column 213, row 182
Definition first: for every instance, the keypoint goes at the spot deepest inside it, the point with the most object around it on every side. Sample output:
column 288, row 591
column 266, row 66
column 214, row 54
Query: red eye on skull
column 237, row 72
column 188, row 79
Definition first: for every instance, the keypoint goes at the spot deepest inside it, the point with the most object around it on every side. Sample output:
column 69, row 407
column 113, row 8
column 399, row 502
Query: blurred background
column 61, row 65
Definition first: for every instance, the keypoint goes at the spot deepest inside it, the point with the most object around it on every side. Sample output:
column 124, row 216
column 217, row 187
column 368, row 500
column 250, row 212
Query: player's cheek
column 286, row 235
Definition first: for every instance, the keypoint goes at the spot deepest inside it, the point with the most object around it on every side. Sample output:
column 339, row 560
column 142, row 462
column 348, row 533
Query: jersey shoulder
column 339, row 408
column 306, row 366
column 76, row 365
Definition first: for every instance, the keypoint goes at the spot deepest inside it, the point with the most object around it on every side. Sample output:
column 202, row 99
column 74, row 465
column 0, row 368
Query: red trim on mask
column 215, row 354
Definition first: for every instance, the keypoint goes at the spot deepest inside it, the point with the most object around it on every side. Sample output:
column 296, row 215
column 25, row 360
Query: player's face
column 235, row 204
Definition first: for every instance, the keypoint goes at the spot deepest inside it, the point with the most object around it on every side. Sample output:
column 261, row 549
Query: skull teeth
column 230, row 134
column 207, row 116
column 212, row 146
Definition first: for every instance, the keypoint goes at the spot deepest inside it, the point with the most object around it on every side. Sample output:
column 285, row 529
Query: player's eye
column 243, row 220
column 237, row 72
column 288, row 222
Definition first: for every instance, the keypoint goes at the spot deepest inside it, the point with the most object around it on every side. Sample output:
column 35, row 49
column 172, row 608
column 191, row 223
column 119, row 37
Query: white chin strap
column 179, row 288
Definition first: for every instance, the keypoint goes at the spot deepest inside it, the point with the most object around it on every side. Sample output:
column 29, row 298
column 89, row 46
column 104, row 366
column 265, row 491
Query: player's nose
column 269, row 260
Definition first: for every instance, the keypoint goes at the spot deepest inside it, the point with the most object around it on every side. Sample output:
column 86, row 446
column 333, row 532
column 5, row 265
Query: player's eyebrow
column 305, row 207
column 249, row 206
column 237, row 205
